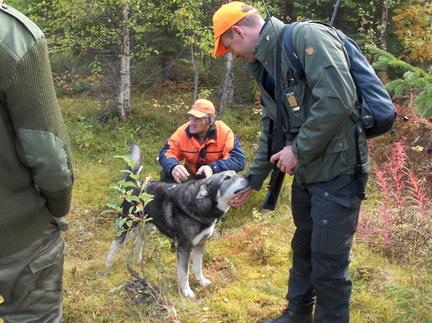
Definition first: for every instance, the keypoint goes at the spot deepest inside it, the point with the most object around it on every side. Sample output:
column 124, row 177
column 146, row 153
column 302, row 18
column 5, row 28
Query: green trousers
column 31, row 281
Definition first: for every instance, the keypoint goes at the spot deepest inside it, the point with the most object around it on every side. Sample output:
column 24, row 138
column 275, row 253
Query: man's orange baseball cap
column 226, row 17
column 202, row 108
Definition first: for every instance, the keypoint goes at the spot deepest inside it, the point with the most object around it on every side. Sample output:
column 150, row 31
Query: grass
column 247, row 260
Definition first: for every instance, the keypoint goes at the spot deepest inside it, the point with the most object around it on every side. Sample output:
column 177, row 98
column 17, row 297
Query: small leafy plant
column 133, row 191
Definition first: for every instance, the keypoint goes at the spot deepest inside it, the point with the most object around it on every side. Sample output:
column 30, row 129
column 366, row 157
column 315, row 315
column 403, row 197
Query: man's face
column 240, row 44
column 198, row 126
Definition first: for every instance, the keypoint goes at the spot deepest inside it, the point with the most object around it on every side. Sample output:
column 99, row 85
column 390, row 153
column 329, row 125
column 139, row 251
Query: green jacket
column 325, row 143
column 35, row 166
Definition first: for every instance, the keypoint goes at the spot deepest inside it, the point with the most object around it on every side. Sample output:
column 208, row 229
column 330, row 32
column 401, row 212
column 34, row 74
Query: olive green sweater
column 35, row 167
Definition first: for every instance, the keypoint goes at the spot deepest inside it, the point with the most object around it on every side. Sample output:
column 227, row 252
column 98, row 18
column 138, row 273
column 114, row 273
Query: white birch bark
column 196, row 75
column 384, row 22
column 123, row 99
column 227, row 96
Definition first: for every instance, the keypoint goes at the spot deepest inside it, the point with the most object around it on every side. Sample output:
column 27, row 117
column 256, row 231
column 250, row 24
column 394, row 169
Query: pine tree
column 414, row 79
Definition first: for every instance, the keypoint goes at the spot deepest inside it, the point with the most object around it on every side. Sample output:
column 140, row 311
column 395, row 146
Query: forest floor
column 247, row 259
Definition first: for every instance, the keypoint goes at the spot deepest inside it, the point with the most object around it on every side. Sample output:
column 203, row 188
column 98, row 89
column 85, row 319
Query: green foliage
column 414, row 79
column 132, row 190
column 411, row 306
column 413, row 28
column 84, row 37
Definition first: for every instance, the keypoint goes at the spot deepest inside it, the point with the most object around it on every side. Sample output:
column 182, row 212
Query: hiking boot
column 291, row 317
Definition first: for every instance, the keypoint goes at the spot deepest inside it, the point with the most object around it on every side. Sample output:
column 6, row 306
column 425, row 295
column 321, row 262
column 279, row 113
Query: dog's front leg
column 183, row 271
column 197, row 257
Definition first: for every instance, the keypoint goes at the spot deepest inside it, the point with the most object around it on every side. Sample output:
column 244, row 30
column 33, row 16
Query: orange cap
column 201, row 108
column 226, row 17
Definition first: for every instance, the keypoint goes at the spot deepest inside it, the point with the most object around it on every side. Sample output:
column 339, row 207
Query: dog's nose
column 248, row 177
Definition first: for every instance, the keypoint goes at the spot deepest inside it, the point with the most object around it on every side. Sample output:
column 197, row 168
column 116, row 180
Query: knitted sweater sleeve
column 41, row 139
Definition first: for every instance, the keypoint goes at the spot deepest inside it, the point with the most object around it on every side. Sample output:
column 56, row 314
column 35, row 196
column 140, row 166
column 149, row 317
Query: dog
column 187, row 213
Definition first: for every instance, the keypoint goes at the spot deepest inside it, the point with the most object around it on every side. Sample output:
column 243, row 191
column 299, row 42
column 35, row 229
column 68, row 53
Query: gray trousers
column 31, row 281
column 325, row 215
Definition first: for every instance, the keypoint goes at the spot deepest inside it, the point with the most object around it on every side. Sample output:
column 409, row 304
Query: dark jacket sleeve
column 236, row 159
column 167, row 161
column 171, row 154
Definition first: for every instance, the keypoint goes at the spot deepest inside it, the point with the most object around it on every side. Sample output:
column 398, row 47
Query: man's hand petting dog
column 180, row 174
column 206, row 170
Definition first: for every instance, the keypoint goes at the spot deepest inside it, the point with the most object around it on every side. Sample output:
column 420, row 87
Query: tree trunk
column 228, row 85
column 196, row 75
column 384, row 5
column 123, row 100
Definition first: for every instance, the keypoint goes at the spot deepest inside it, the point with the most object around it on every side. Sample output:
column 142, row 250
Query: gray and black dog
column 187, row 213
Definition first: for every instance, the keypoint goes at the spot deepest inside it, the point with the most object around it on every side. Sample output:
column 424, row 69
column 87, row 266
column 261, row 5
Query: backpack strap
column 290, row 52
column 279, row 141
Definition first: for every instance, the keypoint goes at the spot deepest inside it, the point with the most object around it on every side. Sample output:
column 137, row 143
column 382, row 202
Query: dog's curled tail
column 135, row 155
column 111, row 253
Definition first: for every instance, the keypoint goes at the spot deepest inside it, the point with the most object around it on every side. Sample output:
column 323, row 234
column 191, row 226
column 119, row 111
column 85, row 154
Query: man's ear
column 203, row 192
column 237, row 30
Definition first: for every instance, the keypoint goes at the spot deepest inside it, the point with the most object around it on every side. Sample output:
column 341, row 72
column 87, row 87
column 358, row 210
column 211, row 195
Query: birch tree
column 123, row 99
column 227, row 96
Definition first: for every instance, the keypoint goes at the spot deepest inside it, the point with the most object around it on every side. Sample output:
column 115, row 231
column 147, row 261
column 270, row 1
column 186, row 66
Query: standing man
column 35, row 176
column 207, row 146
column 320, row 150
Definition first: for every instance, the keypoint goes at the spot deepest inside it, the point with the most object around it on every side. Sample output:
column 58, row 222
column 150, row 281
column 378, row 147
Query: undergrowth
column 400, row 223
column 248, row 257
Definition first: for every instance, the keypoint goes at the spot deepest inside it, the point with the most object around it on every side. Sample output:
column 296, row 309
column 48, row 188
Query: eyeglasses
column 195, row 119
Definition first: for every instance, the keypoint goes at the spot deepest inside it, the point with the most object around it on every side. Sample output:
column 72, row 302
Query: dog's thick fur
column 187, row 213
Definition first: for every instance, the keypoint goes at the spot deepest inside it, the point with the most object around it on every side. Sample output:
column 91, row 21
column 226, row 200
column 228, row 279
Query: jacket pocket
column 333, row 160
column 336, row 145
column 47, row 268
column 335, row 215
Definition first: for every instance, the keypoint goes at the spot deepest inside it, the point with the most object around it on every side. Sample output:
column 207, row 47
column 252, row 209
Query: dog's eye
column 227, row 178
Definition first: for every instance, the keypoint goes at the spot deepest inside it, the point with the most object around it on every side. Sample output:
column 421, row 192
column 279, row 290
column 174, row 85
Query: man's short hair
column 228, row 15
column 248, row 21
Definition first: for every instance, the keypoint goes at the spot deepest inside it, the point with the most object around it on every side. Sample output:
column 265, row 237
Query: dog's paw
column 204, row 282
column 187, row 292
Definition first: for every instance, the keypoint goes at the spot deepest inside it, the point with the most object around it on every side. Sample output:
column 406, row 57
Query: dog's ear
column 203, row 192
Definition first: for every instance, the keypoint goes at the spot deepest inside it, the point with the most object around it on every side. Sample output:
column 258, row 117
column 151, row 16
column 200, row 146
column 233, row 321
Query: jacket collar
column 210, row 135
column 265, row 47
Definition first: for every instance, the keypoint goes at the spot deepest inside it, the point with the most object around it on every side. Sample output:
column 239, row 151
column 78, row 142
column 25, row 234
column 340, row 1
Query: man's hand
column 241, row 199
column 180, row 174
column 206, row 169
column 285, row 160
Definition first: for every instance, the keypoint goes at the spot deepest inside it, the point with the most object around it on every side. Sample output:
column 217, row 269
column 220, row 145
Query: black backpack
column 377, row 113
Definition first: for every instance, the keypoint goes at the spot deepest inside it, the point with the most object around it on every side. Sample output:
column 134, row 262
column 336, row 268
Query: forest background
column 127, row 71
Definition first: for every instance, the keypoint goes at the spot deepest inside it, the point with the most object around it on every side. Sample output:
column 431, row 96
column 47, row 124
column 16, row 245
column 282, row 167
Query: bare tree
column 123, row 99
column 384, row 6
column 228, row 84
column 196, row 74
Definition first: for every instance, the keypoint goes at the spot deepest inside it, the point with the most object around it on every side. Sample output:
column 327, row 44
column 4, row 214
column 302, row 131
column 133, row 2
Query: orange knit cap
column 226, row 17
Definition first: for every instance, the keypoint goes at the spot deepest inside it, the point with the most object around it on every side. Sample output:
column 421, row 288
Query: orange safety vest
column 182, row 145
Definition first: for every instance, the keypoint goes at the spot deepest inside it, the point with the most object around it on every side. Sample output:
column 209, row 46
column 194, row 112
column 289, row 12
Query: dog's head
column 222, row 188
